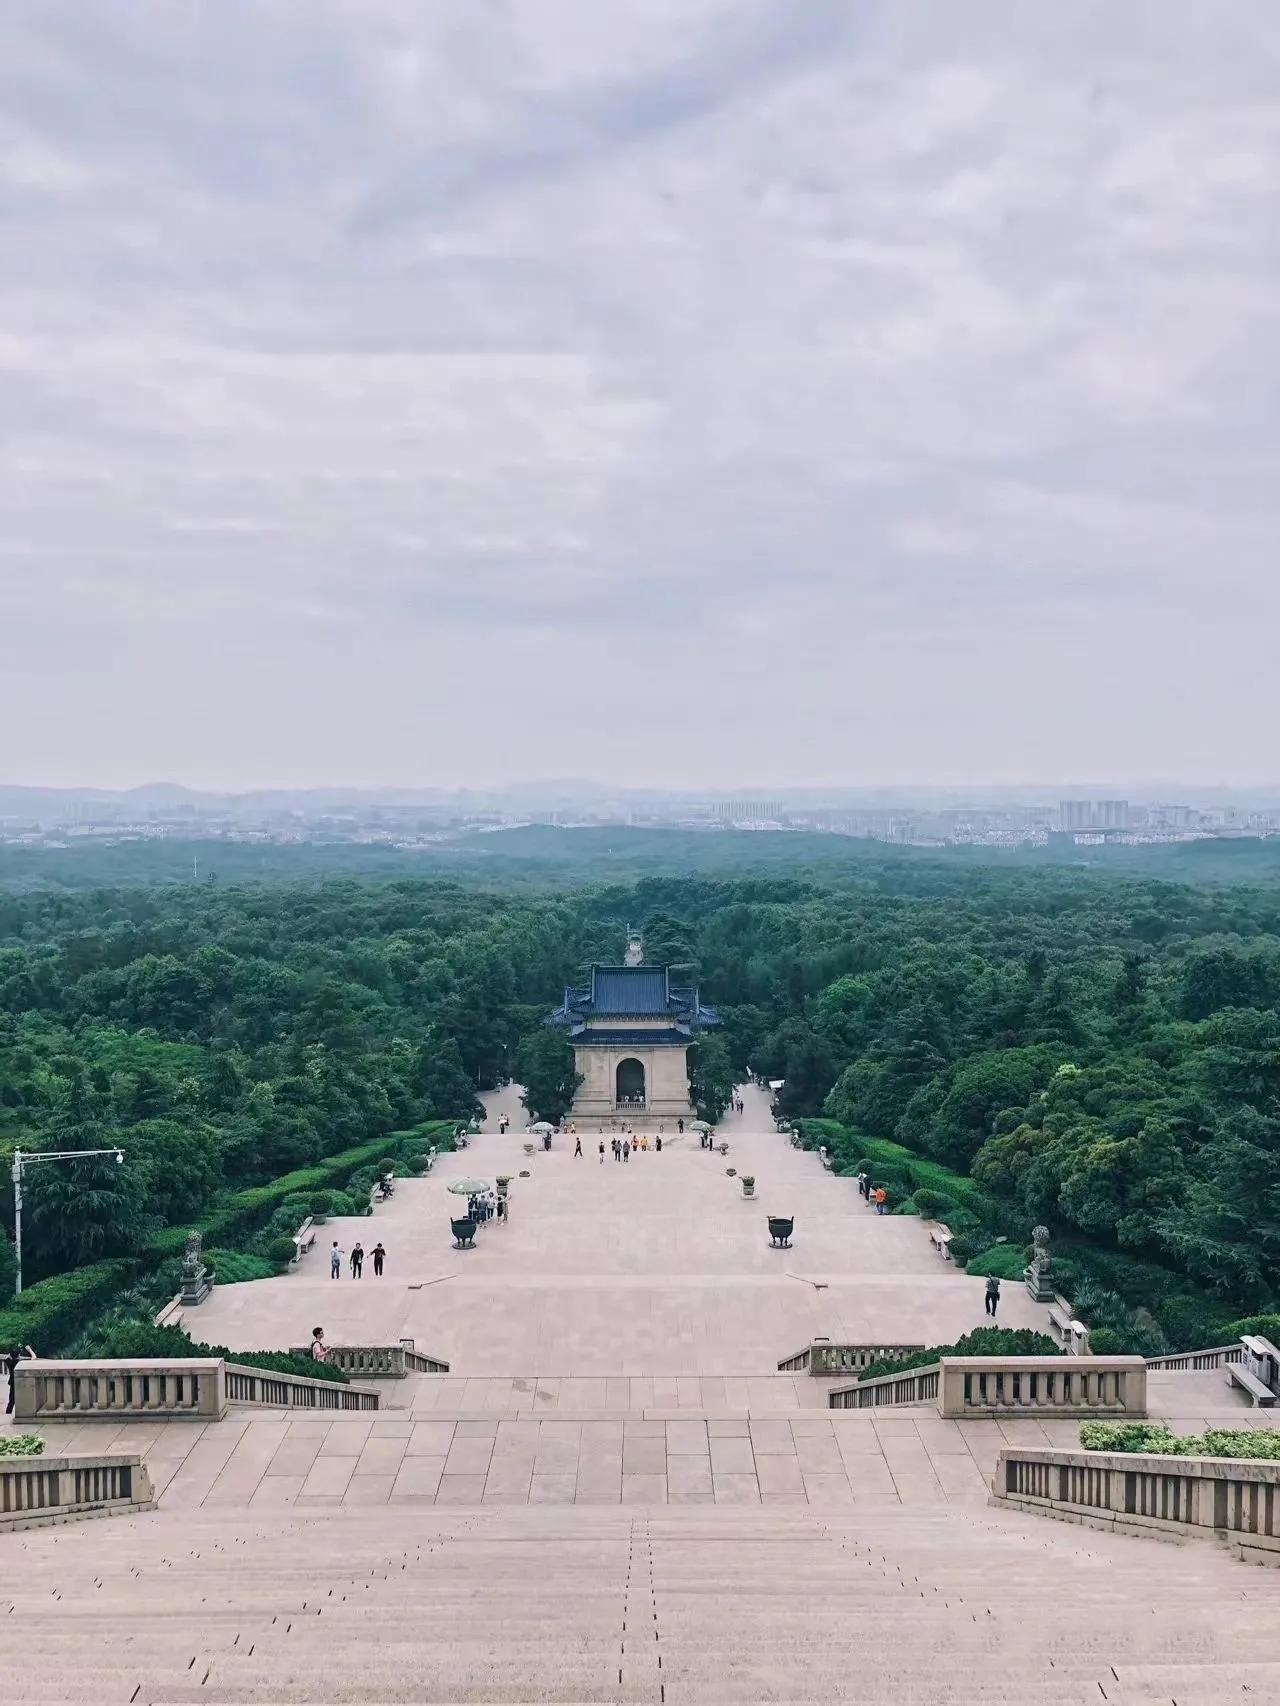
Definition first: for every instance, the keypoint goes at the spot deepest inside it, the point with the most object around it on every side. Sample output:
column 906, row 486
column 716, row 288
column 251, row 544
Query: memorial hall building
column 631, row 1028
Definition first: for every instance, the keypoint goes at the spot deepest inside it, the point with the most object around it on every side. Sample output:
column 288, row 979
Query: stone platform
column 656, row 1266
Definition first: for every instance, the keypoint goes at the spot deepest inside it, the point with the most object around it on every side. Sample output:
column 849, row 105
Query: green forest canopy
column 1098, row 1051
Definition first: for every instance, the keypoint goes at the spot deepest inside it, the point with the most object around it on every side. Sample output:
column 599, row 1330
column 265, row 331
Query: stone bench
column 1261, row 1396
column 939, row 1237
column 303, row 1239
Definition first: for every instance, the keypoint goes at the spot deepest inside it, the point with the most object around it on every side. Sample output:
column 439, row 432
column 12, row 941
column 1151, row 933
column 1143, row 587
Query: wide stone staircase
column 884, row 1606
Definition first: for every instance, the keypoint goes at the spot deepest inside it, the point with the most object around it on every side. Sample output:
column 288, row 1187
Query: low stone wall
column 915, row 1386
column 974, row 1387
column 39, row 1490
column 1217, row 1356
column 1059, row 1386
column 1235, row 1501
column 379, row 1362
column 196, row 1389
column 822, row 1357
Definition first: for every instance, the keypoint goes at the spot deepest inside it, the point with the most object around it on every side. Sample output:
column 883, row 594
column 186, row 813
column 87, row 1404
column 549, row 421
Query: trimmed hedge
column 1005, row 1261
column 236, row 1267
column 981, row 1342
column 55, row 1309
column 1155, row 1437
column 141, row 1339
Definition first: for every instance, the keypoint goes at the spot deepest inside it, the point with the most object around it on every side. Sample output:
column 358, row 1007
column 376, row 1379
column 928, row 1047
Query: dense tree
column 545, row 1066
column 711, row 1075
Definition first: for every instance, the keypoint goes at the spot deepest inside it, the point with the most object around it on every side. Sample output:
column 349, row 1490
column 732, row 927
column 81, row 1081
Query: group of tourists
column 337, row 1255
column 623, row 1146
column 486, row 1206
column 876, row 1195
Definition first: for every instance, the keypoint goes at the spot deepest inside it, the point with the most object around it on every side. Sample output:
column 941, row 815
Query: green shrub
column 280, row 1250
column 1155, row 1437
column 1005, row 1261
column 319, row 1202
column 343, row 1206
column 51, row 1312
column 981, row 1342
column 21, row 1445
column 932, row 1204
column 1129, row 1436
column 906, row 1206
column 1266, row 1326
column 1105, row 1342
column 416, row 1164
column 141, row 1339
column 236, row 1267
column 965, row 1246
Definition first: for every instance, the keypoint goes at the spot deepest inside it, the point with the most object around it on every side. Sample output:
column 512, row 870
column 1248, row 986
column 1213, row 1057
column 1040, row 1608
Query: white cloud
column 827, row 364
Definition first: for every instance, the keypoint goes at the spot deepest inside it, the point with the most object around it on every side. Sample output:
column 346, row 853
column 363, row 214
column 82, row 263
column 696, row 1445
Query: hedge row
column 244, row 1212
column 56, row 1309
column 1156, row 1437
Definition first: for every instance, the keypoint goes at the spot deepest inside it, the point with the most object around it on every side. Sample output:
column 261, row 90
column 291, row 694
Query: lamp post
column 28, row 1158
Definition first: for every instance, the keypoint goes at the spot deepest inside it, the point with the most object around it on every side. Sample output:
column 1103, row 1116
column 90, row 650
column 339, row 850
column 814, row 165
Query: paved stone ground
column 650, row 1310
column 656, row 1267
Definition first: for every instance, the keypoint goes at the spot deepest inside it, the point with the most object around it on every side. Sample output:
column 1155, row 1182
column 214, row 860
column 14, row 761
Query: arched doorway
column 629, row 1080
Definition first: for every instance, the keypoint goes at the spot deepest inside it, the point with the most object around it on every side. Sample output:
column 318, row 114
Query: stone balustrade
column 822, row 1357
column 183, row 1389
column 1217, row 1356
column 1235, row 1501
column 39, row 1490
column 1059, row 1386
column 379, row 1362
column 972, row 1387
column 913, row 1386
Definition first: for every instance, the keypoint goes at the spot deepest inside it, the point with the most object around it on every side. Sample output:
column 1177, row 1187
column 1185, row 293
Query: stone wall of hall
column 666, row 1078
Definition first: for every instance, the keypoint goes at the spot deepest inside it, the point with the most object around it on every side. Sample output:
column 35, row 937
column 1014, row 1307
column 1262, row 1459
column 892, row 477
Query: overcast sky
column 685, row 391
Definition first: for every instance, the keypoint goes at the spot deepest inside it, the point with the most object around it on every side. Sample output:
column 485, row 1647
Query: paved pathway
column 656, row 1267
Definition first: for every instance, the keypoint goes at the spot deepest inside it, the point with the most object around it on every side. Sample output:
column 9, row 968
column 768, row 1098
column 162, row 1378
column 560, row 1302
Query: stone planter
column 748, row 1187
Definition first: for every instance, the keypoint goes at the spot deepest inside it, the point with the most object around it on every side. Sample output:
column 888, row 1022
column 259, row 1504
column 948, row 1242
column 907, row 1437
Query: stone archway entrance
column 629, row 1084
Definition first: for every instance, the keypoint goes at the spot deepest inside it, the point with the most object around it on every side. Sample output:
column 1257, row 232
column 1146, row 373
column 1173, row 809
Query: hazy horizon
column 692, row 392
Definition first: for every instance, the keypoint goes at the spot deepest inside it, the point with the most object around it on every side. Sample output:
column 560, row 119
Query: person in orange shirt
column 880, row 1196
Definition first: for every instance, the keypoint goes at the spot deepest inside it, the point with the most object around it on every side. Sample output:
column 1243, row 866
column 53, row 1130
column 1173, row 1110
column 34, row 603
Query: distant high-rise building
column 749, row 811
column 1094, row 814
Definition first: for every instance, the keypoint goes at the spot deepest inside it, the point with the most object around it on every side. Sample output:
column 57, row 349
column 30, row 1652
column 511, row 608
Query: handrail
column 822, row 1357
column 914, row 1386
column 1235, row 1501
column 161, row 1388
column 1217, row 1356
column 379, row 1362
column 1010, row 1386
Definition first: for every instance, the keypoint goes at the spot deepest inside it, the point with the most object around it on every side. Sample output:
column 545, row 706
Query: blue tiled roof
column 629, row 989
column 633, row 992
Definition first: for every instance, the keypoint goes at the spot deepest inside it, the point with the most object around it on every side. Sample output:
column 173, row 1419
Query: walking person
column 881, row 1196
column 335, row 1261
column 657, row 1143
column 993, row 1295
column 626, row 1151
column 319, row 1350
column 357, row 1260
column 602, row 1152
column 577, row 1147
column 379, row 1256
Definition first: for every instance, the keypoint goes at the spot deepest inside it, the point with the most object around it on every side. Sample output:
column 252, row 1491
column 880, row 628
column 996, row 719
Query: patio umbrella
column 469, row 1187
column 696, row 1125
column 542, row 1125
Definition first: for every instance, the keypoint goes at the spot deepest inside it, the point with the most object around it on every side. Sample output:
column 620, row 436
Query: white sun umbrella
column 542, row 1125
column 469, row 1187
column 696, row 1125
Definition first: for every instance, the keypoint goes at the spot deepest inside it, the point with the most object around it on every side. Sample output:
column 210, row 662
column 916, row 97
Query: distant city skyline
column 681, row 393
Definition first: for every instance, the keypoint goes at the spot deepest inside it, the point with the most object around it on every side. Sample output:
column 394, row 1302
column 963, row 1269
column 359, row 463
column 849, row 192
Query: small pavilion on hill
column 631, row 1028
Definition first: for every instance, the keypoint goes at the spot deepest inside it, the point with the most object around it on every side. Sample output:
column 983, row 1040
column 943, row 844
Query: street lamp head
column 119, row 1157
